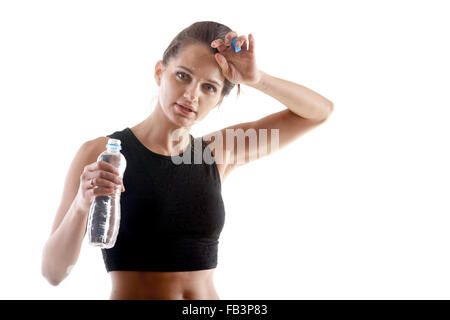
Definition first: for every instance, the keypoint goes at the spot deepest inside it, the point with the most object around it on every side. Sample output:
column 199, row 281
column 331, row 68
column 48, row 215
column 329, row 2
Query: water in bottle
column 104, row 214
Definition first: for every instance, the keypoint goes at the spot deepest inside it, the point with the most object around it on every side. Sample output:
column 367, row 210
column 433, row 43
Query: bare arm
column 300, row 100
column 305, row 111
column 62, row 249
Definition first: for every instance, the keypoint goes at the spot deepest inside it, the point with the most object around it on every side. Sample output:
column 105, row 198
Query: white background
column 358, row 208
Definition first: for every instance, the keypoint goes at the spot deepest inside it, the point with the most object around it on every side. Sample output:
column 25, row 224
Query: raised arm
column 300, row 100
column 306, row 109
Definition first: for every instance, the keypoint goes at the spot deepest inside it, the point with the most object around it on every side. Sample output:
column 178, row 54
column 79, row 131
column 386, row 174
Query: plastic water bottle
column 104, row 214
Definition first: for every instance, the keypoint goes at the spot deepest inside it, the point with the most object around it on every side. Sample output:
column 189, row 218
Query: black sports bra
column 172, row 214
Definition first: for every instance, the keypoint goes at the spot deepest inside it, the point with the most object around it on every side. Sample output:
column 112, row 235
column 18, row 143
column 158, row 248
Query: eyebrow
column 190, row 71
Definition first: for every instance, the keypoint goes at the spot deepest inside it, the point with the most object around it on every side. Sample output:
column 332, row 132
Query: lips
column 191, row 108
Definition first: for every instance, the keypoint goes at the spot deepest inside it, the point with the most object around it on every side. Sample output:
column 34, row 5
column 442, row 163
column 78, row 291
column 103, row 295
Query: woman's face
column 191, row 78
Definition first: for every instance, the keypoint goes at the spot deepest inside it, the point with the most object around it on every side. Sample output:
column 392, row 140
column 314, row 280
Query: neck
column 158, row 133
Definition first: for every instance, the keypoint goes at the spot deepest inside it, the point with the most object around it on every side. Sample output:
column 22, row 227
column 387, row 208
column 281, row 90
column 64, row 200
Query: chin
column 181, row 121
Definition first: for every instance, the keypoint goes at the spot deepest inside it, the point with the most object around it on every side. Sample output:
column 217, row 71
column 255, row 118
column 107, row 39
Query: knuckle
column 110, row 176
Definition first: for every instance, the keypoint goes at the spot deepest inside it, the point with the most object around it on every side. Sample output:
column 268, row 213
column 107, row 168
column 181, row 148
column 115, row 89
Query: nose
column 191, row 94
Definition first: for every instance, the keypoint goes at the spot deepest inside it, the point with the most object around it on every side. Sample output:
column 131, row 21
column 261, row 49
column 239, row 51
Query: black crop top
column 171, row 214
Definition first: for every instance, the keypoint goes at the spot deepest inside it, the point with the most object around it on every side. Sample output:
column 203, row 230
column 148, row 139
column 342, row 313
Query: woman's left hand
column 237, row 67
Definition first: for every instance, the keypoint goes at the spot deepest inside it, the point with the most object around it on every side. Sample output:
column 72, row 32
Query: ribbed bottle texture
column 104, row 214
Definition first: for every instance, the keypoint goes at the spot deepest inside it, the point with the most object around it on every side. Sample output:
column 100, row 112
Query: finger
column 100, row 176
column 109, row 167
column 103, row 165
column 122, row 187
column 105, row 183
column 219, row 44
column 222, row 62
column 230, row 35
column 251, row 43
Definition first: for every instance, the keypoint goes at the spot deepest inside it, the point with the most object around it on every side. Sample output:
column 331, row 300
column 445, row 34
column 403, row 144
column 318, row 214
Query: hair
column 203, row 32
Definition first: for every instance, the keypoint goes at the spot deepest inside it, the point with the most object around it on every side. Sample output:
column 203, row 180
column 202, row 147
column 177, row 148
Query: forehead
column 200, row 60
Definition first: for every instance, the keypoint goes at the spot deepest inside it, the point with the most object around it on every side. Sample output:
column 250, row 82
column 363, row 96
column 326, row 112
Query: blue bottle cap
column 233, row 42
column 114, row 143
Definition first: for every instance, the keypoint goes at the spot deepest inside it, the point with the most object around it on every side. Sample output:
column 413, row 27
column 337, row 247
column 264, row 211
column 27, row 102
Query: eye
column 210, row 88
column 181, row 73
column 213, row 88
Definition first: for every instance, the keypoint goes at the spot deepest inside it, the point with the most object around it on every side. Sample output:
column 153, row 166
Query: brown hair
column 203, row 32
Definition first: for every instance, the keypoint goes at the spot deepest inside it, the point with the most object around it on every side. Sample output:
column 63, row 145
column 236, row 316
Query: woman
column 172, row 212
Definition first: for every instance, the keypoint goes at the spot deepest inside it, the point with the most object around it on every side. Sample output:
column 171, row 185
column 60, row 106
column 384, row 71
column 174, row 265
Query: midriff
column 153, row 285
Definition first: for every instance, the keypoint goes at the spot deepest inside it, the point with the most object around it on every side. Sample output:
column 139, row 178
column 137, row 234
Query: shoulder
column 92, row 148
column 87, row 153
column 99, row 142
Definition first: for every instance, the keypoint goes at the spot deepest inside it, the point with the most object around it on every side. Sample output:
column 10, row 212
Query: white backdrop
column 355, row 209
